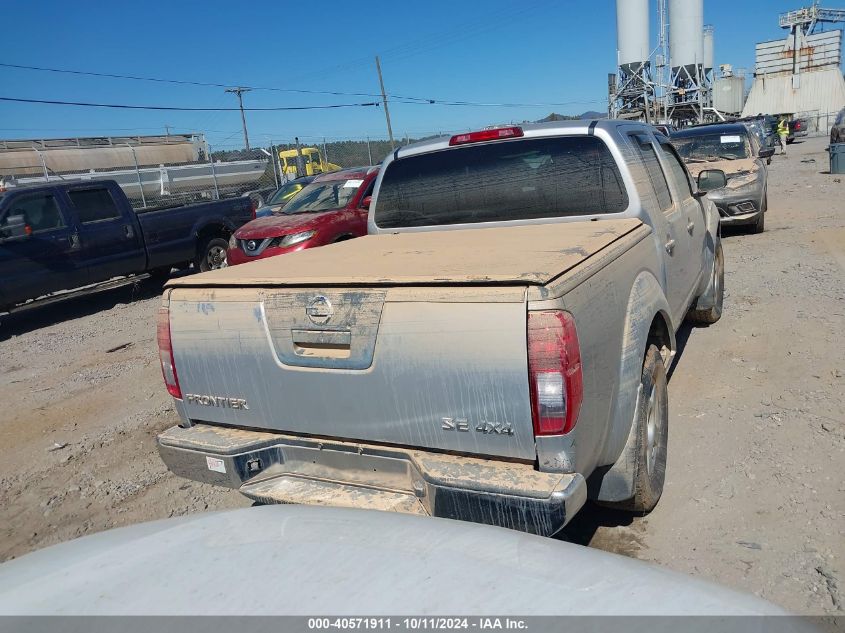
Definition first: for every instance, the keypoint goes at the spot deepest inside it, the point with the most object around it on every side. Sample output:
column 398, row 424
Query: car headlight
column 296, row 238
column 743, row 179
column 233, row 241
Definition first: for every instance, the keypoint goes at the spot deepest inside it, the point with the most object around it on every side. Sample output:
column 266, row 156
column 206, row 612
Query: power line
column 397, row 98
column 123, row 106
column 187, row 82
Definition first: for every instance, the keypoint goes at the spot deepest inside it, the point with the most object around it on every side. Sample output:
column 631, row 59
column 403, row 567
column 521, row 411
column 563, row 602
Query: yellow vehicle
column 311, row 159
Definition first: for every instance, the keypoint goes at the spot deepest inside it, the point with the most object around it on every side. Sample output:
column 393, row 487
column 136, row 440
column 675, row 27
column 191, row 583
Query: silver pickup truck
column 494, row 351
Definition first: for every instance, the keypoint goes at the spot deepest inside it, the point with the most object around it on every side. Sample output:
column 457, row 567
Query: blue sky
column 535, row 51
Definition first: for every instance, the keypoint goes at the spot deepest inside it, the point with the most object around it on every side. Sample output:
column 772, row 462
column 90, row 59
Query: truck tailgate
column 277, row 345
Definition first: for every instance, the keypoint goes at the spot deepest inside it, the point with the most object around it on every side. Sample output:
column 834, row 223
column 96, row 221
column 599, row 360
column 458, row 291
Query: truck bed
column 518, row 255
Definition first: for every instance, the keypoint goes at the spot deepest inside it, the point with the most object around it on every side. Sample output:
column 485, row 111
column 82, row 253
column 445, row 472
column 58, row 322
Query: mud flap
column 616, row 483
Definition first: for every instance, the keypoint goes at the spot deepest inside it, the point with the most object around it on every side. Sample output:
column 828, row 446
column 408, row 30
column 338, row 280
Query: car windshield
column 285, row 193
column 324, row 196
column 710, row 147
column 512, row 180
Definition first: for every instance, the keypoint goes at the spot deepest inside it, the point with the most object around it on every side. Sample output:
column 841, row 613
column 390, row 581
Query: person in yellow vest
column 783, row 134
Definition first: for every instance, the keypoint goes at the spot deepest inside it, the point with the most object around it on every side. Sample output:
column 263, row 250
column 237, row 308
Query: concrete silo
column 690, row 87
column 634, row 87
column 708, row 49
column 686, row 35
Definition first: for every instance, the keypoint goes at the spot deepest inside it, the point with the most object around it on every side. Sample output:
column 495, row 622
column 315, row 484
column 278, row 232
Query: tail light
column 165, row 354
column 486, row 135
column 554, row 372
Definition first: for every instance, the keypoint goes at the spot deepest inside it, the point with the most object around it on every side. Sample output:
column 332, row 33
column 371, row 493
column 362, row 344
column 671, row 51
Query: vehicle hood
column 276, row 225
column 730, row 167
column 305, row 560
column 519, row 255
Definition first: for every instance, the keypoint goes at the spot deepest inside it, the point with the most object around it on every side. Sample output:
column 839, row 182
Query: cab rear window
column 501, row 181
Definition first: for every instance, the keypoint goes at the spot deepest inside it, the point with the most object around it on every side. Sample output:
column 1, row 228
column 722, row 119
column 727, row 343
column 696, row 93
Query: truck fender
column 215, row 224
column 647, row 320
column 706, row 291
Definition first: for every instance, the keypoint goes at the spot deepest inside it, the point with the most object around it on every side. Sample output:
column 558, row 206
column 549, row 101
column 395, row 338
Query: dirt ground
column 755, row 492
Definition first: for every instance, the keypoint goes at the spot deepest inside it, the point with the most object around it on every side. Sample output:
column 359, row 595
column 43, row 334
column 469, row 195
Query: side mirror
column 365, row 203
column 766, row 152
column 710, row 180
column 15, row 228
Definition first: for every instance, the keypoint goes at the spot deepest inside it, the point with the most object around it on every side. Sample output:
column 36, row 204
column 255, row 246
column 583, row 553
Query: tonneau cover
column 524, row 255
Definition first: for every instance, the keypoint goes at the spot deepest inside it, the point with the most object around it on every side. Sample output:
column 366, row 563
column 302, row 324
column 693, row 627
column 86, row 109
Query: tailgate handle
column 322, row 343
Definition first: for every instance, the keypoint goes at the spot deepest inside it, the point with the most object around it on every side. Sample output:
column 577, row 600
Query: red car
column 331, row 209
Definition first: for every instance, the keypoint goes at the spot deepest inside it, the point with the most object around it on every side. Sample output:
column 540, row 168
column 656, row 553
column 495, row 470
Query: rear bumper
column 275, row 468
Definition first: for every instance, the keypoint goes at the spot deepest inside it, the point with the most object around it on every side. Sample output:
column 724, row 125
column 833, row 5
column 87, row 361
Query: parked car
column 366, row 566
column 731, row 148
column 332, row 208
column 665, row 128
column 768, row 127
column 67, row 235
column 501, row 337
column 798, row 127
column 259, row 196
column 837, row 132
column 756, row 128
column 280, row 197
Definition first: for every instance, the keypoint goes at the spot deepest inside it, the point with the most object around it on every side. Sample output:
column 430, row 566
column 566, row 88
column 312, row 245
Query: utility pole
column 240, row 91
column 384, row 101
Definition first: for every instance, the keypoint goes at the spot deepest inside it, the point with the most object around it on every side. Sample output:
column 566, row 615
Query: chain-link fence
column 818, row 123
column 158, row 171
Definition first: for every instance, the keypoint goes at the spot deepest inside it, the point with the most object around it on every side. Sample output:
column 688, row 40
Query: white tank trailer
column 634, row 86
column 144, row 166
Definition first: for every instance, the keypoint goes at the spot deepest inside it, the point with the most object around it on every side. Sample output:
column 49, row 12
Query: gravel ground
column 754, row 495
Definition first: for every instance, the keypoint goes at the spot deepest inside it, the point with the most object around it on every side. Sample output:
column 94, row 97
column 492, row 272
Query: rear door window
column 534, row 178
column 677, row 173
column 643, row 145
column 40, row 211
column 94, row 205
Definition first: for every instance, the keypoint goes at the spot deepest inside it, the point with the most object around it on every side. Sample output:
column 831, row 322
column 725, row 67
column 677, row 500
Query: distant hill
column 554, row 116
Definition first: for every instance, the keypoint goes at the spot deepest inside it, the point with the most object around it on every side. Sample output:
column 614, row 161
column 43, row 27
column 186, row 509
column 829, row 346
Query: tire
column 760, row 225
column 209, row 256
column 714, row 313
column 652, row 420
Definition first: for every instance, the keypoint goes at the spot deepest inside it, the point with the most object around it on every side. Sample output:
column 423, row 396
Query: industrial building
column 801, row 73
column 674, row 79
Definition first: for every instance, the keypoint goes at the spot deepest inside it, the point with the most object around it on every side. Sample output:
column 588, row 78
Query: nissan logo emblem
column 251, row 245
column 319, row 310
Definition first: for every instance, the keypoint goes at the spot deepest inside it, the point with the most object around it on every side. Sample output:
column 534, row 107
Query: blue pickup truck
column 71, row 235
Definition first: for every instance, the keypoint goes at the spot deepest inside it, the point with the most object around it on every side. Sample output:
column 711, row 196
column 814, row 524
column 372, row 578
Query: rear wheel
column 652, row 420
column 714, row 313
column 212, row 255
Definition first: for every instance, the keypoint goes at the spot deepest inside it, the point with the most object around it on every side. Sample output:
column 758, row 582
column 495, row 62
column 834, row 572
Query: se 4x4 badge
column 488, row 428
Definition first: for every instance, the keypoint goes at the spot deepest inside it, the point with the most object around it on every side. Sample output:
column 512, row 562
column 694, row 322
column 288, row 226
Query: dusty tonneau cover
column 525, row 255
